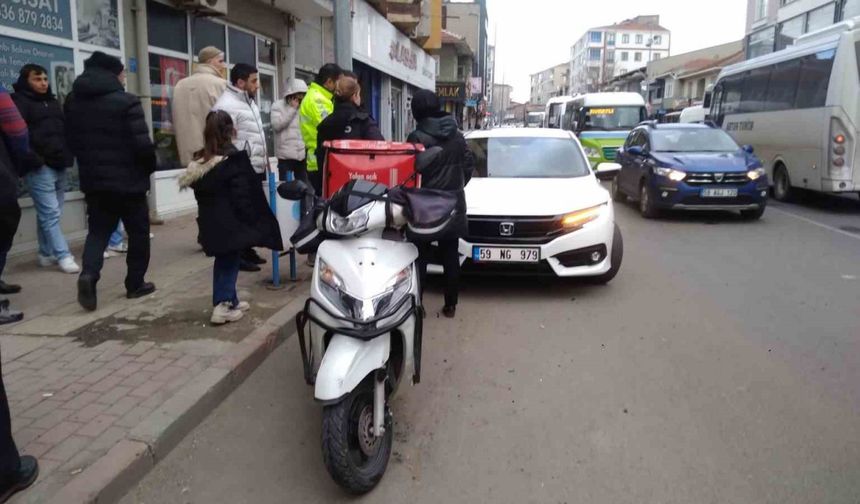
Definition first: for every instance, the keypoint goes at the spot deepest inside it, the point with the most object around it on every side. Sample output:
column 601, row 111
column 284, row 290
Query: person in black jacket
column 450, row 171
column 232, row 211
column 347, row 121
column 45, row 169
column 107, row 132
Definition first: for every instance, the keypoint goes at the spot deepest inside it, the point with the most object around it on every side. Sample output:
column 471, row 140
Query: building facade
column 553, row 81
column 605, row 52
column 775, row 24
column 501, row 102
column 455, row 63
column 469, row 19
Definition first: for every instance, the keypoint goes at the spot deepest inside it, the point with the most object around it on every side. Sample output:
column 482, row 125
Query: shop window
column 789, row 31
column 242, row 47
column 164, row 73
column 265, row 99
column 98, row 23
column 266, row 52
column 207, row 33
column 760, row 42
column 821, row 17
column 166, row 27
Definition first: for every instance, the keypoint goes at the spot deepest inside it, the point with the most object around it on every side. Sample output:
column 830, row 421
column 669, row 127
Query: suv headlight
column 756, row 173
column 592, row 152
column 353, row 223
column 671, row 173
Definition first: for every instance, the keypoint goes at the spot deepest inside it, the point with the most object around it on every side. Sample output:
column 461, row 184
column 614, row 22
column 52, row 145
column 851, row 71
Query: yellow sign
column 601, row 111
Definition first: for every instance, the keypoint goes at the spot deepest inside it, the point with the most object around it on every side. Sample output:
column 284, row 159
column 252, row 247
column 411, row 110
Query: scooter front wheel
column 355, row 458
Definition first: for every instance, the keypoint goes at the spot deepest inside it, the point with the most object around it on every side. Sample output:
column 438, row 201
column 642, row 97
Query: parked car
column 689, row 167
column 536, row 206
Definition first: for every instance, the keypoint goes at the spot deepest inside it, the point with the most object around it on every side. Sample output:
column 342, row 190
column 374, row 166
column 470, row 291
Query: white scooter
column 360, row 331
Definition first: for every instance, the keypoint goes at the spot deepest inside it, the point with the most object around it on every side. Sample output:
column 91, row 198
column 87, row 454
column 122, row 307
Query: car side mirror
column 635, row 150
column 294, row 190
column 748, row 149
column 607, row 171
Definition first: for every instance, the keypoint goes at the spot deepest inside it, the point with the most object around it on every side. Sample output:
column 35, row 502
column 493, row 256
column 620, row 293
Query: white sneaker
column 47, row 261
column 122, row 248
column 224, row 313
column 68, row 265
column 110, row 253
column 243, row 306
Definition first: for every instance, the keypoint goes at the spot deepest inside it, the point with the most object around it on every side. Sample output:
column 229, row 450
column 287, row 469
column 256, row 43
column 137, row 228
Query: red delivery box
column 389, row 163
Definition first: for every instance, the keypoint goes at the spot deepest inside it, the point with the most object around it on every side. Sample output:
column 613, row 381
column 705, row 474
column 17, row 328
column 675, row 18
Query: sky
column 533, row 35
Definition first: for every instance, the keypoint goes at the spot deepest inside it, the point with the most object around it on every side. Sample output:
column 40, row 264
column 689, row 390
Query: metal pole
column 343, row 34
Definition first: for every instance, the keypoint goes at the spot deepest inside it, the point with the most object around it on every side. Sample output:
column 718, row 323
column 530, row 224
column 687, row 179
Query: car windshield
column 692, row 140
column 613, row 118
column 528, row 157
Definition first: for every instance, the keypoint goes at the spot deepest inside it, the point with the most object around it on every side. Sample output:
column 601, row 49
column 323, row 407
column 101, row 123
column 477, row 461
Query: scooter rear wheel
column 354, row 457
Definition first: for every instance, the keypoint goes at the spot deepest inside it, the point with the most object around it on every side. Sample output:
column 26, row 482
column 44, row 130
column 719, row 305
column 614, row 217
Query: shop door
column 396, row 113
column 265, row 98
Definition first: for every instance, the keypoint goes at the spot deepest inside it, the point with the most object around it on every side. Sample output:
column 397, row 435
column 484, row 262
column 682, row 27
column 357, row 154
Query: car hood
column 706, row 161
column 512, row 197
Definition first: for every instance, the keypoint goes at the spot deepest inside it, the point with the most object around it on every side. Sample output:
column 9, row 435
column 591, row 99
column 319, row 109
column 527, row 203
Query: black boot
column 250, row 255
column 450, row 311
column 248, row 266
column 145, row 289
column 27, row 473
column 87, row 292
column 6, row 288
column 7, row 315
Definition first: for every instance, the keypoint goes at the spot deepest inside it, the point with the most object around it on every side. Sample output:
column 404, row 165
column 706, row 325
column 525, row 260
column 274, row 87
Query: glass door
column 396, row 113
column 265, row 99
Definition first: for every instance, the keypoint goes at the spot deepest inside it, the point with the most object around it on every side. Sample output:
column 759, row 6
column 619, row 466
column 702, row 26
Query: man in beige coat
column 193, row 98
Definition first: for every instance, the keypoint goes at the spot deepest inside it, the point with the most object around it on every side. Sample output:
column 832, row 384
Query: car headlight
column 671, row 173
column 591, row 152
column 576, row 220
column 353, row 223
column 756, row 174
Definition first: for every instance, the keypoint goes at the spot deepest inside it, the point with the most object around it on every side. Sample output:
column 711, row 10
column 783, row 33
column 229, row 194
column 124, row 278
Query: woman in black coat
column 232, row 212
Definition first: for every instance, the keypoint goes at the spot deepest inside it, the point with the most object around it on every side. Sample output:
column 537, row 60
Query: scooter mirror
column 426, row 158
column 294, row 190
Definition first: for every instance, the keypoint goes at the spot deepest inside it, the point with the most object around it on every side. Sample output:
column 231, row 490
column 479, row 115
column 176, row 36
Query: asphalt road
column 721, row 365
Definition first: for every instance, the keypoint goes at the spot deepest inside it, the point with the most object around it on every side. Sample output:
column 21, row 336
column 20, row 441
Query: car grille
column 526, row 230
column 709, row 178
column 609, row 153
column 742, row 199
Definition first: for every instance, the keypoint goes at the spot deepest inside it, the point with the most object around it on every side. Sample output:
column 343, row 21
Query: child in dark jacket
column 232, row 212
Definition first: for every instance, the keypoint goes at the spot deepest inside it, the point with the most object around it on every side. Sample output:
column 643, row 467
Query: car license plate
column 714, row 192
column 504, row 254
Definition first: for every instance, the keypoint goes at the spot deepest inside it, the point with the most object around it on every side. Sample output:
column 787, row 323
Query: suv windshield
column 528, row 157
column 692, row 140
column 613, row 118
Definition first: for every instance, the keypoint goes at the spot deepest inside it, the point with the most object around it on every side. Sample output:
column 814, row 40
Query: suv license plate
column 505, row 254
column 711, row 192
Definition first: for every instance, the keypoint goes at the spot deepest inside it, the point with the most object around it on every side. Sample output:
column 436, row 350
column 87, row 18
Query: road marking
column 815, row 223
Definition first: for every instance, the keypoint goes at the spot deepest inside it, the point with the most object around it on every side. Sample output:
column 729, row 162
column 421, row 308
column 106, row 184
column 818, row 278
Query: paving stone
column 140, row 348
column 19, row 424
column 80, row 360
column 129, row 369
column 81, row 400
column 52, row 418
column 79, row 462
column 97, row 425
column 150, row 356
column 137, row 379
column 34, row 355
column 89, row 412
column 119, row 362
column 86, row 369
column 187, row 361
column 168, row 373
column 36, row 449
column 158, row 365
column 114, row 395
column 70, row 392
column 68, row 448
column 106, row 384
column 43, row 362
column 24, row 436
column 59, row 433
column 108, row 438
column 42, row 409
column 133, row 417
column 26, row 403
column 96, row 376
column 146, row 389
column 122, row 406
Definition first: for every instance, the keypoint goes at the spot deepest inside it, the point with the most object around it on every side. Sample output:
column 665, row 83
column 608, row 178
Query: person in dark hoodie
column 450, row 171
column 45, row 169
column 232, row 211
column 347, row 121
column 107, row 132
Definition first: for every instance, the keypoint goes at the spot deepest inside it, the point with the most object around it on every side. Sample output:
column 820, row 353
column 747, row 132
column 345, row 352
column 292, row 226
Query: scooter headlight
column 397, row 288
column 353, row 223
column 331, row 286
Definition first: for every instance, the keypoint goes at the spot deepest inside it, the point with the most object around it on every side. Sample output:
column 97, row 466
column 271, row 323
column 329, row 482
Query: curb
column 109, row 478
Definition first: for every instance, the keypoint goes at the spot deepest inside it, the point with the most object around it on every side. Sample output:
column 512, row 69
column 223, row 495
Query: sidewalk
column 98, row 397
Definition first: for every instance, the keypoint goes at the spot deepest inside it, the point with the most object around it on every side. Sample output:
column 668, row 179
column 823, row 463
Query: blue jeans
column 116, row 238
column 48, row 191
column 225, row 273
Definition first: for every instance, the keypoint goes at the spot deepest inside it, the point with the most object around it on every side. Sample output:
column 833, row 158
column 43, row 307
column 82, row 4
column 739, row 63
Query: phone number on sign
column 24, row 16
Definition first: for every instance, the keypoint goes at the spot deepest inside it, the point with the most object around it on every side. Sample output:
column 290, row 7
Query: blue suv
column 689, row 167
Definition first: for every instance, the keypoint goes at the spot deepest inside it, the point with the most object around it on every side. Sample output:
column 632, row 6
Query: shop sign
column 451, row 91
column 403, row 54
column 15, row 53
column 49, row 17
column 475, row 87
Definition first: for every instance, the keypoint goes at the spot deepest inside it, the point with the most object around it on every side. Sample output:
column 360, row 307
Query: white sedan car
column 535, row 205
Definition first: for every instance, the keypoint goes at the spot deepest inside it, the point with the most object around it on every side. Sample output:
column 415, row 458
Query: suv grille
column 609, row 153
column 709, row 178
column 525, row 229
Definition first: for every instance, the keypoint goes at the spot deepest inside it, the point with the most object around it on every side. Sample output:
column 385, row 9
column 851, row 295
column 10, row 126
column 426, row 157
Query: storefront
column 453, row 97
column 391, row 67
column 58, row 35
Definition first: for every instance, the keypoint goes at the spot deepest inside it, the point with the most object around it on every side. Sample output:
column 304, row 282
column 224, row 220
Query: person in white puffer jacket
column 238, row 101
column 289, row 145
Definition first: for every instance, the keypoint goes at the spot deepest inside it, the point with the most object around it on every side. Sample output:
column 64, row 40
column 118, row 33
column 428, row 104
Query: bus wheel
column 781, row 184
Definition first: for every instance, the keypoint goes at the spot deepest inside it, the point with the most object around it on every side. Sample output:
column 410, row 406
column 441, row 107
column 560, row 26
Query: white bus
column 555, row 109
column 800, row 109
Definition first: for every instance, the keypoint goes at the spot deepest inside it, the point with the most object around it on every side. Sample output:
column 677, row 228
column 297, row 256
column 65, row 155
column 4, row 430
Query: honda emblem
column 718, row 177
column 506, row 229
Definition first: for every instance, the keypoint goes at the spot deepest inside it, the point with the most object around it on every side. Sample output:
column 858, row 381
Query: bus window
column 552, row 120
column 612, row 118
column 732, row 94
column 783, row 85
column 754, row 94
column 569, row 118
column 814, row 79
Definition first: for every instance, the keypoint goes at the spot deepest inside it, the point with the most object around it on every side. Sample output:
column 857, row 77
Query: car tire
column 646, row 203
column 751, row 215
column 782, row 190
column 615, row 191
column 615, row 260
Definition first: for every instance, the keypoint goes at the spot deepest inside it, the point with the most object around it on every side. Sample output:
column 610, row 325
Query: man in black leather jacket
column 450, row 171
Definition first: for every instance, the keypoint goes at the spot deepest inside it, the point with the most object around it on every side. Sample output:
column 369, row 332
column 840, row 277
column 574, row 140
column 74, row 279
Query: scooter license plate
column 505, row 254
